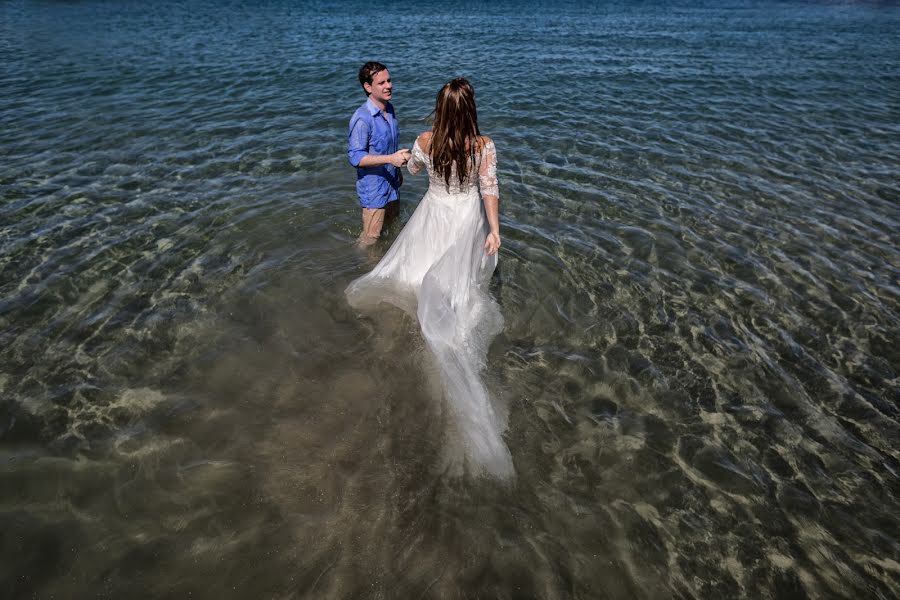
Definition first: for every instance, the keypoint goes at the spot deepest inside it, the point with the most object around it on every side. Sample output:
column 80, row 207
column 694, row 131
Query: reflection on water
column 699, row 279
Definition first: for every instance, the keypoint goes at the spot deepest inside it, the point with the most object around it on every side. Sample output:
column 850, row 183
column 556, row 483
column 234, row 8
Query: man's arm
column 359, row 145
column 398, row 159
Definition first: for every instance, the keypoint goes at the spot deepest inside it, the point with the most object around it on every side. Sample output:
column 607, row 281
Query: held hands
column 492, row 244
column 400, row 157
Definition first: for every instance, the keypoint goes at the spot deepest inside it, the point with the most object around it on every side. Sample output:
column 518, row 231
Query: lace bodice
column 485, row 166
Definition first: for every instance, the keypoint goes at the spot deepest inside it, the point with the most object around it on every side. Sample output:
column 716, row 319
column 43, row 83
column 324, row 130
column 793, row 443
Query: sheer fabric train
column 438, row 271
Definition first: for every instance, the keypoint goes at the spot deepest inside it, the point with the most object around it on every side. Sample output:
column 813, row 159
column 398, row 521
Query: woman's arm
column 490, row 193
column 492, row 209
column 416, row 160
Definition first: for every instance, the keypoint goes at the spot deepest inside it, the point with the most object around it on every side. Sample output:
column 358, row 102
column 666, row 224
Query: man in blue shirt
column 373, row 150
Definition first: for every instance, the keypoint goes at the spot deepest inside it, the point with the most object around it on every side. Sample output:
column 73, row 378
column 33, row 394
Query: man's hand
column 399, row 158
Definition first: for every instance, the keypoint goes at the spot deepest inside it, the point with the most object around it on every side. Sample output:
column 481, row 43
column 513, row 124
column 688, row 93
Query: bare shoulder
column 424, row 140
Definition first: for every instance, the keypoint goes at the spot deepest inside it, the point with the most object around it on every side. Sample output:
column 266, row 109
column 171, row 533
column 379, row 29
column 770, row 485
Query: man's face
column 381, row 88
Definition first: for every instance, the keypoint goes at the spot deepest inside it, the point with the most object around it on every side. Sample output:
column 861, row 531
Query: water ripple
column 699, row 279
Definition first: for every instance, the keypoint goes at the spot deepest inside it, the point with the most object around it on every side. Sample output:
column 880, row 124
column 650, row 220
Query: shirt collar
column 374, row 110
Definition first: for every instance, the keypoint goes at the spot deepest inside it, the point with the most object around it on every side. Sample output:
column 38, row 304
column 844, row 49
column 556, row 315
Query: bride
column 440, row 264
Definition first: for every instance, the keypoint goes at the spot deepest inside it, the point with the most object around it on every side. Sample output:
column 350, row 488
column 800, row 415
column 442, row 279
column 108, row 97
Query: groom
column 374, row 150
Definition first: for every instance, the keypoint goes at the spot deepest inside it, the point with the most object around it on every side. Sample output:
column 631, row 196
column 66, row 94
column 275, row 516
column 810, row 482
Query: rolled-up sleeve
column 358, row 145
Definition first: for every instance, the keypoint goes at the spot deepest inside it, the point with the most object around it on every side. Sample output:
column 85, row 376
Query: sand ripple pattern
column 700, row 279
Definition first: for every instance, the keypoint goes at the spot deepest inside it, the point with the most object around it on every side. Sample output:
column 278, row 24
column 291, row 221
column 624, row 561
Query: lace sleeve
column 487, row 171
column 416, row 160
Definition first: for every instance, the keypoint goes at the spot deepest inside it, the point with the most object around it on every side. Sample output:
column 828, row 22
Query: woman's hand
column 492, row 244
column 399, row 158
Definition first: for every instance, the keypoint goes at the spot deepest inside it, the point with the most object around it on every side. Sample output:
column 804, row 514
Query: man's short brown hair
column 368, row 71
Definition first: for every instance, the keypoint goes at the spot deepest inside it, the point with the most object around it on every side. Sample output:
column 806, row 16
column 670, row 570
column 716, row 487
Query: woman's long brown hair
column 455, row 131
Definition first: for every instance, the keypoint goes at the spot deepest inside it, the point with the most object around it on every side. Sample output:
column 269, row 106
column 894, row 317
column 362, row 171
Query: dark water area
column 700, row 278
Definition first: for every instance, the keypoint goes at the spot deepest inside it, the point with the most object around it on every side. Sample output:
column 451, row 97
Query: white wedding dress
column 437, row 270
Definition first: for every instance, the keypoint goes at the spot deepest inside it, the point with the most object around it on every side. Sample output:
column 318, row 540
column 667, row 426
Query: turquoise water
column 700, row 279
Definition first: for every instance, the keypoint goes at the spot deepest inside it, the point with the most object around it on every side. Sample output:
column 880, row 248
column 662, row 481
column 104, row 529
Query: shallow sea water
column 700, row 279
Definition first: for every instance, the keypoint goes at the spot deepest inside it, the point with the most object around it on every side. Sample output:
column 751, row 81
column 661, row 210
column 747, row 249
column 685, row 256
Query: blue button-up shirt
column 372, row 133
